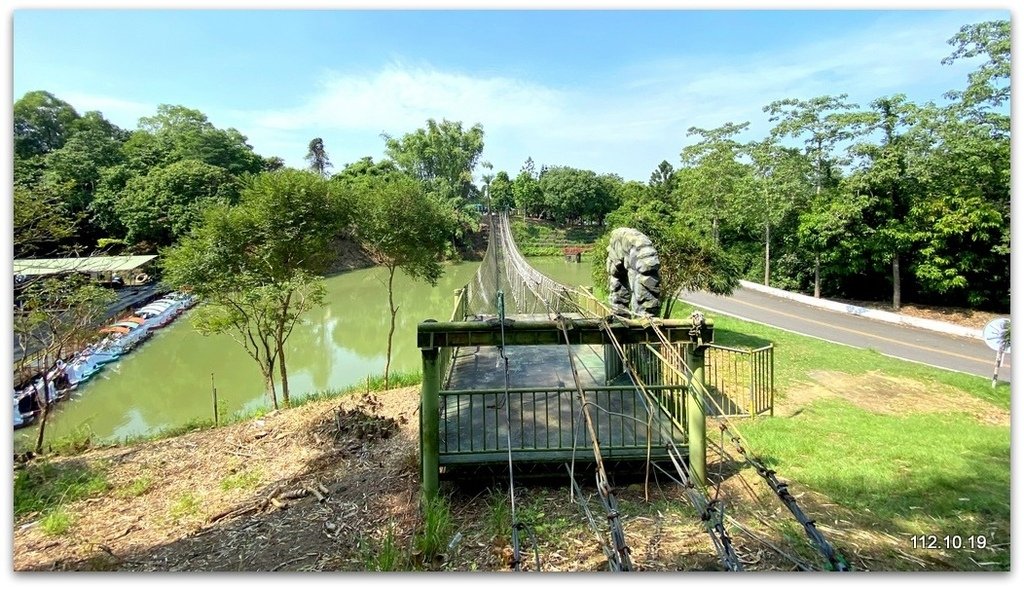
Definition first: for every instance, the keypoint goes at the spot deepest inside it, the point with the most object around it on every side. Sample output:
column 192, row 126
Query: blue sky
column 611, row 91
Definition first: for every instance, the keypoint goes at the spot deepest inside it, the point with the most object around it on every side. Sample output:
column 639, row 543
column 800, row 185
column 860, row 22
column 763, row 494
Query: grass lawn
column 543, row 238
column 908, row 449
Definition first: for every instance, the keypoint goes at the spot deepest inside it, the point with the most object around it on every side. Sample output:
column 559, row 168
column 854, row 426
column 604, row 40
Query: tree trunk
column 268, row 379
column 817, row 276
column 895, row 282
column 767, row 254
column 714, row 230
column 284, row 374
column 44, row 412
column 280, row 350
column 391, row 330
column 43, row 398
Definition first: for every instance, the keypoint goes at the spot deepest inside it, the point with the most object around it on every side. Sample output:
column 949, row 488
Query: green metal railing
column 546, row 423
column 744, row 380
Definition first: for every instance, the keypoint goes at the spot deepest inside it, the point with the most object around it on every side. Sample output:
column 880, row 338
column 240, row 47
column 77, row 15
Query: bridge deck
column 544, row 409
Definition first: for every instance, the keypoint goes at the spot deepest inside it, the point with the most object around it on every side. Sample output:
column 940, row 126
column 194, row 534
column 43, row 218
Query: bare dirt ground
column 885, row 394
column 955, row 315
column 322, row 486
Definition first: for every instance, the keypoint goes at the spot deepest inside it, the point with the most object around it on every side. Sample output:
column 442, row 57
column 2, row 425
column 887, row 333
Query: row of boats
column 118, row 339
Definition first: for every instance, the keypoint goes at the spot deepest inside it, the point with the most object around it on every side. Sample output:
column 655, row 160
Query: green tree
column 177, row 133
column 885, row 175
column 716, row 173
column 74, row 170
column 55, row 315
column 166, row 204
column 317, row 157
column 443, row 155
column 573, row 195
column 825, row 123
column 777, row 192
column 990, row 83
column 42, row 123
column 831, row 229
column 39, row 220
column 502, row 195
column 663, row 179
column 526, row 190
column 256, row 263
column 403, row 228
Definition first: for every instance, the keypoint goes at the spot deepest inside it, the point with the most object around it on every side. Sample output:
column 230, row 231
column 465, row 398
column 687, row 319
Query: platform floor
column 482, row 367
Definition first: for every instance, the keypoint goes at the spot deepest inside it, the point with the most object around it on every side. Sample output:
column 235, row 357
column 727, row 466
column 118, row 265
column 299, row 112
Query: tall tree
column 256, row 263
column 166, row 204
column 778, row 190
column 572, row 195
column 42, row 123
column 824, row 123
column 402, row 228
column 526, row 190
column 663, row 179
column 884, row 175
column 990, row 83
column 502, row 195
column 177, row 133
column 717, row 171
column 444, row 155
column 317, row 157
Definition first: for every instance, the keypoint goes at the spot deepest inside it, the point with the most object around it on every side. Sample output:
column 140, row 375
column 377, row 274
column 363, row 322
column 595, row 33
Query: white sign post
column 996, row 336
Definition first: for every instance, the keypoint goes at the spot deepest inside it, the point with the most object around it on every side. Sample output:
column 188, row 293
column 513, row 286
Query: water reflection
column 166, row 382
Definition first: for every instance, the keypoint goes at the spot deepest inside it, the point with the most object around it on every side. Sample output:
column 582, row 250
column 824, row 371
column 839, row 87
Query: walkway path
column 910, row 343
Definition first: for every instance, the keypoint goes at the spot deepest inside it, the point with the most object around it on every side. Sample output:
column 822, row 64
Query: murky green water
column 166, row 382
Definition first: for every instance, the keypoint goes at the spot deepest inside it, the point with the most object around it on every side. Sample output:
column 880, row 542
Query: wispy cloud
column 401, row 97
column 124, row 113
column 626, row 123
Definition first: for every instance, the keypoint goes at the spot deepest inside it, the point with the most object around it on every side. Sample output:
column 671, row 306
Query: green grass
column 543, row 238
column 915, row 473
column 370, row 384
column 185, row 506
column 920, row 473
column 437, row 528
column 56, row 523
column 797, row 355
column 42, row 487
column 499, row 514
column 136, row 488
column 383, row 556
column 246, row 480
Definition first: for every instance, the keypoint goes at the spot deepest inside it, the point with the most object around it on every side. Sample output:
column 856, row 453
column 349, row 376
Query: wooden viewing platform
column 466, row 418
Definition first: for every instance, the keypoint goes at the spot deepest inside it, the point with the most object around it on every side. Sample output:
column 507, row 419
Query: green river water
column 166, row 382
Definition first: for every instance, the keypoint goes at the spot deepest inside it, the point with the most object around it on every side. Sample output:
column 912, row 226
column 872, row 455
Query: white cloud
column 123, row 113
column 626, row 123
column 400, row 98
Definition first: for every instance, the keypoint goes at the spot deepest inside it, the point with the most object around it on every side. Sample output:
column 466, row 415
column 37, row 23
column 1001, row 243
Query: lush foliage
column 258, row 263
column 402, row 227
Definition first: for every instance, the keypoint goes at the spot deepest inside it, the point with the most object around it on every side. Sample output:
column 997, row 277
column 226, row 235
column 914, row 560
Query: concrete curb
column 929, row 324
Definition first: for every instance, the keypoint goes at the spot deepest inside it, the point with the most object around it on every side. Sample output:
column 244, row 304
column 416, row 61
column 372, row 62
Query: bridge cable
column 836, row 561
column 563, row 295
column 709, row 507
column 620, row 559
column 709, row 510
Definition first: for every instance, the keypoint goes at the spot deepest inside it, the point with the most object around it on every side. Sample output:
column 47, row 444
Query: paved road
column 910, row 343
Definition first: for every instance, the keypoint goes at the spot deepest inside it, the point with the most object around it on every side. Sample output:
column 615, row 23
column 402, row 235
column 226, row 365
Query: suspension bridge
column 528, row 371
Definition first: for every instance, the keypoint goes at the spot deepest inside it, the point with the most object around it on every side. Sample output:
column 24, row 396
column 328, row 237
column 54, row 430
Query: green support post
column 429, row 426
column 696, row 422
